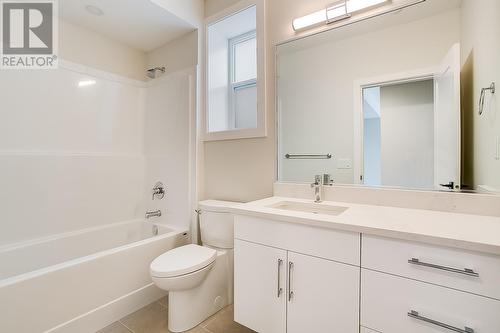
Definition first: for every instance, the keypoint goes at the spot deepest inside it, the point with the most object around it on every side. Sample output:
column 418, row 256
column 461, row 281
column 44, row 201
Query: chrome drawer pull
column 280, row 290
column 465, row 271
column 290, row 292
column 415, row 315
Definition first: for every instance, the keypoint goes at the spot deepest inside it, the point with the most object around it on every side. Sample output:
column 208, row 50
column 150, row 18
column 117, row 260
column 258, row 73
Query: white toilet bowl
column 194, row 293
column 199, row 279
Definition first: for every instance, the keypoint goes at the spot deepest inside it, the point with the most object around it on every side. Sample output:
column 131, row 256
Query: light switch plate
column 344, row 163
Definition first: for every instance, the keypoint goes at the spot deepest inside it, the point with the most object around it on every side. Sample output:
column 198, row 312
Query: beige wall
column 89, row 48
column 245, row 169
column 181, row 53
column 480, row 67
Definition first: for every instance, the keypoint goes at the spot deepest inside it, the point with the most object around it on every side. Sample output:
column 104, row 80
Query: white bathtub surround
column 199, row 279
column 70, row 156
column 169, row 145
column 82, row 281
column 102, row 148
column 467, row 203
column 80, row 151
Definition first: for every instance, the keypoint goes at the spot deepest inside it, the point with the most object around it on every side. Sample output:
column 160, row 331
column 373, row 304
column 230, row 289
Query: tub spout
column 156, row 213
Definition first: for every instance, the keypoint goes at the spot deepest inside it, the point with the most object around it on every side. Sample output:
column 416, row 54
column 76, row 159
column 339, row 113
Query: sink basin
column 315, row 208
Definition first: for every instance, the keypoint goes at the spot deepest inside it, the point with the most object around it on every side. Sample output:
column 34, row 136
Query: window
column 234, row 63
column 243, row 81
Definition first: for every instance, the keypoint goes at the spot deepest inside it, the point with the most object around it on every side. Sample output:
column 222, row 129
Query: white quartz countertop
column 470, row 232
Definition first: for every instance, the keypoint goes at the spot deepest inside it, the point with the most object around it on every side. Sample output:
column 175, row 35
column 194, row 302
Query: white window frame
column 233, row 86
column 261, row 129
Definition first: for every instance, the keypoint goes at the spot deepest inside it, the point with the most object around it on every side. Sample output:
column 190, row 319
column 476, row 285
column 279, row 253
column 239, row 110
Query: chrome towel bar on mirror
column 491, row 89
column 465, row 271
column 415, row 315
column 308, row 156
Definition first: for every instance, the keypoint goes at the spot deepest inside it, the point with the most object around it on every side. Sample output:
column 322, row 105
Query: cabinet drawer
column 324, row 243
column 387, row 301
column 443, row 266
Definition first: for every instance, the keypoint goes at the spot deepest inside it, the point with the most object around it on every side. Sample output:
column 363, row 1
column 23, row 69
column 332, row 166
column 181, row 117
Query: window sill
column 235, row 134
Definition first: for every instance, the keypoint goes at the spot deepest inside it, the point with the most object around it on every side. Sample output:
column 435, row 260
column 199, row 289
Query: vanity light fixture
column 340, row 10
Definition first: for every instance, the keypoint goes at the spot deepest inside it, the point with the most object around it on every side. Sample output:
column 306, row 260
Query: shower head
column 152, row 72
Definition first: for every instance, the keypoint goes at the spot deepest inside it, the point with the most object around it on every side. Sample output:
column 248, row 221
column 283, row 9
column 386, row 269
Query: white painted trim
column 359, row 85
column 261, row 130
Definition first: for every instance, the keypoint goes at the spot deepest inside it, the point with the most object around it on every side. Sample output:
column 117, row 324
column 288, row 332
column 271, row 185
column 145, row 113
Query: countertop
column 464, row 231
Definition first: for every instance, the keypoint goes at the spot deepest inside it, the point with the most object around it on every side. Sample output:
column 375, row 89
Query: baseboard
column 106, row 314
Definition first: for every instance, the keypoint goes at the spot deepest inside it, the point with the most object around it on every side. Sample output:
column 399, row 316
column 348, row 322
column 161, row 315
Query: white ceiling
column 140, row 24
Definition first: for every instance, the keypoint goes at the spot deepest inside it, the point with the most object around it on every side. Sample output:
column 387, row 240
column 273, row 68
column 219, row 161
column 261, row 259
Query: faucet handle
column 158, row 191
column 327, row 179
column 317, row 180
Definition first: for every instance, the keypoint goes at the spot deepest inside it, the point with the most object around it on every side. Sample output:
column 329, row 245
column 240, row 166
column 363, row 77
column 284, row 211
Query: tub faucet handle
column 158, row 191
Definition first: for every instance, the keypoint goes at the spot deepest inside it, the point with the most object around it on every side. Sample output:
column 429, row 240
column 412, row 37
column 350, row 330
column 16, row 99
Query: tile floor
column 153, row 319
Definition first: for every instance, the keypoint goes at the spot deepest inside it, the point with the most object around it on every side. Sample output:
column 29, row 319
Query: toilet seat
column 182, row 260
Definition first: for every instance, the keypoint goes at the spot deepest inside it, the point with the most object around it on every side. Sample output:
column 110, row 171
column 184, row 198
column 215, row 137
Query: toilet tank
column 217, row 223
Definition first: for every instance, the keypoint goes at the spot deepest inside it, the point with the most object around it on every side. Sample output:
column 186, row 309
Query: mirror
column 376, row 103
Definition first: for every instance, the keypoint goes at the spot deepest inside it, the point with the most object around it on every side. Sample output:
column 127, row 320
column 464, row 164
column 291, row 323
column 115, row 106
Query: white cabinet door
column 259, row 287
column 323, row 295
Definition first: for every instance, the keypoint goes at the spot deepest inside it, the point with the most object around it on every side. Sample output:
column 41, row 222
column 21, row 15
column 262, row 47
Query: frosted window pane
column 245, row 105
column 245, row 60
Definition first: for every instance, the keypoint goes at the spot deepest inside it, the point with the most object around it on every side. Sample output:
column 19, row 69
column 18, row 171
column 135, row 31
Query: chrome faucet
column 158, row 191
column 156, row 213
column 318, row 188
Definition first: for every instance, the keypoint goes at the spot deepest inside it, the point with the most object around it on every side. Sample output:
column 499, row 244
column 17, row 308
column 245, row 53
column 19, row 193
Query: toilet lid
column 182, row 260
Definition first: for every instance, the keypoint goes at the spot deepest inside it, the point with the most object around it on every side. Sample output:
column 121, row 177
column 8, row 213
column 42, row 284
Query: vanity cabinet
column 295, row 278
column 416, row 288
column 393, row 304
column 279, row 289
column 259, row 287
column 323, row 295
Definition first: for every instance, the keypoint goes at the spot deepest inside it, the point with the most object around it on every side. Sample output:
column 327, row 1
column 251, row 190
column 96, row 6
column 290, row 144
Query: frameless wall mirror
column 232, row 104
column 378, row 103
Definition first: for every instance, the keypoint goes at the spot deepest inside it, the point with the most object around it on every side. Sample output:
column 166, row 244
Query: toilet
column 199, row 279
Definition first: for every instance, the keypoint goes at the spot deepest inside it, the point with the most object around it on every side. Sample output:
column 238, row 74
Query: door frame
column 377, row 81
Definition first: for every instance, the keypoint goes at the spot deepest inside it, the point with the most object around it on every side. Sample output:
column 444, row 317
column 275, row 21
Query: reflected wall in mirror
column 398, row 121
column 382, row 98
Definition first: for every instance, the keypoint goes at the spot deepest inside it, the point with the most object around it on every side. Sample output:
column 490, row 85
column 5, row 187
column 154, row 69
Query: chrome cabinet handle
column 290, row 292
column 465, row 271
column 280, row 290
column 415, row 315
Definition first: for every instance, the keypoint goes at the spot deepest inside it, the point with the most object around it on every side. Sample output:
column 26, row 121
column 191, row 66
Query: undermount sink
column 315, row 208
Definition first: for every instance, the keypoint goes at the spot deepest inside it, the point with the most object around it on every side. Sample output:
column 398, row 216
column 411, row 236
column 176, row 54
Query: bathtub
column 81, row 281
